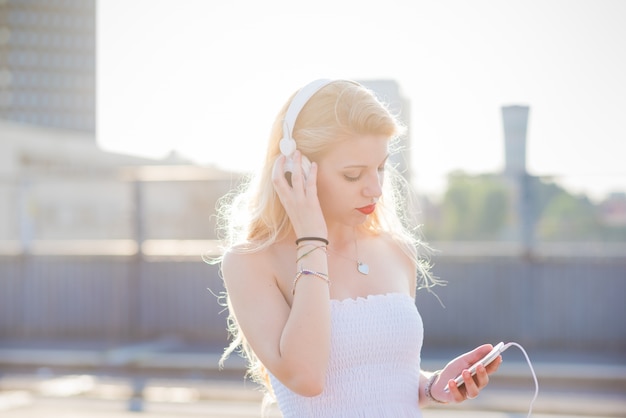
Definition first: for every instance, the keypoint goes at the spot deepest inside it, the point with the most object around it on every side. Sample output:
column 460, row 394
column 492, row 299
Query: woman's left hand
column 472, row 384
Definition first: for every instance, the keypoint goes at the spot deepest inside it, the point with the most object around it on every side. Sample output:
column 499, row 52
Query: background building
column 388, row 91
column 57, row 185
column 48, row 63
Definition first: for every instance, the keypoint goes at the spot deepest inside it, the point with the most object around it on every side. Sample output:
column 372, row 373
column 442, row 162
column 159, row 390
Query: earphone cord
column 530, row 409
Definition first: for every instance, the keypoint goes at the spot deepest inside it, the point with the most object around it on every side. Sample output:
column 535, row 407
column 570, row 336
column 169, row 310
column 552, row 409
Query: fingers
column 289, row 172
column 455, row 391
column 304, row 173
column 299, row 200
column 494, row 365
column 472, row 385
column 311, row 180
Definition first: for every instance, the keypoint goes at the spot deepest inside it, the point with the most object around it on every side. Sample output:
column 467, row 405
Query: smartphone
column 491, row 356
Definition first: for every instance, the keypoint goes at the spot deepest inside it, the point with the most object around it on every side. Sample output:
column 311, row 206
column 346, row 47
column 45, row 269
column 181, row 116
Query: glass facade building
column 48, row 63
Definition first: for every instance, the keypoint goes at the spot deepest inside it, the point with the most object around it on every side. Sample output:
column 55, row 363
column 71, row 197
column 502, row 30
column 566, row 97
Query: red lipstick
column 366, row 210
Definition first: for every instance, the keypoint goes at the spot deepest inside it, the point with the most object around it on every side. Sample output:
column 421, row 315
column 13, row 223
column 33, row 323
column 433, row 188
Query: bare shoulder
column 239, row 257
column 403, row 250
column 404, row 256
column 241, row 266
column 255, row 275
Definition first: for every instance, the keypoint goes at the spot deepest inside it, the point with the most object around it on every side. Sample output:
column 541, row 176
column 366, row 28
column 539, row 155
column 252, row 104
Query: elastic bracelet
column 320, row 239
column 308, row 273
column 428, row 386
column 323, row 247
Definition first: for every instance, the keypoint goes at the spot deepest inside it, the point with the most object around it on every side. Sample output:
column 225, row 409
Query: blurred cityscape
column 103, row 289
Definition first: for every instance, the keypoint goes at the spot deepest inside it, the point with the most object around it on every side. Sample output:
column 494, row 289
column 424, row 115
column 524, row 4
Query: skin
column 291, row 333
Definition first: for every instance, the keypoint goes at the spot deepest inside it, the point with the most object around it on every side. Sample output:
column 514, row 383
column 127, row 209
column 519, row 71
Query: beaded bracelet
column 429, row 385
column 320, row 239
column 308, row 273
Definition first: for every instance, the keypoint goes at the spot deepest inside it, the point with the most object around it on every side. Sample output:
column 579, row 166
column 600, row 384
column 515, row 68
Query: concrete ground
column 83, row 408
column 136, row 381
column 88, row 396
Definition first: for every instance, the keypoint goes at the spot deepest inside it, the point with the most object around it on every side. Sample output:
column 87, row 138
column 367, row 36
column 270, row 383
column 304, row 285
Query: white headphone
column 287, row 144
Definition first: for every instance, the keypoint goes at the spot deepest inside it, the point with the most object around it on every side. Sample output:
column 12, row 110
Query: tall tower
column 48, row 63
column 515, row 121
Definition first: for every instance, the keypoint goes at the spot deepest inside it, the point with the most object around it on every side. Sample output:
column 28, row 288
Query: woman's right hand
column 300, row 199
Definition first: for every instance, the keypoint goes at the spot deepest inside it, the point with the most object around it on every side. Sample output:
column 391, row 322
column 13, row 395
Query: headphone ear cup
column 287, row 146
column 288, row 166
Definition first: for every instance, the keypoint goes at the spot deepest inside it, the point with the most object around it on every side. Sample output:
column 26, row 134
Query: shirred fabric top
column 374, row 365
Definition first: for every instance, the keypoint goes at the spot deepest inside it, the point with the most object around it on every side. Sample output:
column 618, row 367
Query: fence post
column 26, row 208
column 134, row 281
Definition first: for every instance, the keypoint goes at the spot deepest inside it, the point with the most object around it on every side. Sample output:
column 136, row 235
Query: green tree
column 567, row 217
column 483, row 207
column 473, row 208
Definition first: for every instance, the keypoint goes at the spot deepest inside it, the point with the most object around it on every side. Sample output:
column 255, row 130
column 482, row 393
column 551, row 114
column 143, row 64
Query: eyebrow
column 363, row 166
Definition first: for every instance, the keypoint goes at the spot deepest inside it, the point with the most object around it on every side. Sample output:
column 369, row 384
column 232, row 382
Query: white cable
column 507, row 345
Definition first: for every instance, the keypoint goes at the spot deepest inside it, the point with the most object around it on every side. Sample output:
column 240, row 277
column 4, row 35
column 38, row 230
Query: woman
column 321, row 272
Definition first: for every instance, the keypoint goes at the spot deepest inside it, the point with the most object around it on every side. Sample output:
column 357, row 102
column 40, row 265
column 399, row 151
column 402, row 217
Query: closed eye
column 357, row 177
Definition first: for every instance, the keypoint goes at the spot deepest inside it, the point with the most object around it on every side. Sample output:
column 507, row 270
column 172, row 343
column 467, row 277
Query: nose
column 374, row 185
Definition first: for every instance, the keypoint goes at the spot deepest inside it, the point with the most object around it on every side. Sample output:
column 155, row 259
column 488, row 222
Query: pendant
column 362, row 268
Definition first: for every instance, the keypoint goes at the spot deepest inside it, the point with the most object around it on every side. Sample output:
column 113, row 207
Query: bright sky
column 206, row 78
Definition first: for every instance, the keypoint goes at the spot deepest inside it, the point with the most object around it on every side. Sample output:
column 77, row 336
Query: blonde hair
column 252, row 218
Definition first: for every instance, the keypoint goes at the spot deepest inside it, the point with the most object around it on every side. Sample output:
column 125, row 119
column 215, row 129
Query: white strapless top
column 374, row 366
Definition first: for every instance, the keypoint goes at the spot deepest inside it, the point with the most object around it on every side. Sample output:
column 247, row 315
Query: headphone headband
column 298, row 102
column 288, row 144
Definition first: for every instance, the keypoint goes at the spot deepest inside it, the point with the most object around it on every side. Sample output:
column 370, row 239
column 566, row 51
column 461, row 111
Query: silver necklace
column 361, row 267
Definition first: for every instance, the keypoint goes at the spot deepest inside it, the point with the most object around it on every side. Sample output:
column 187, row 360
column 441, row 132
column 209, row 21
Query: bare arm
column 292, row 342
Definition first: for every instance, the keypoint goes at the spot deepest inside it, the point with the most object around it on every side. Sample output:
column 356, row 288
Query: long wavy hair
column 252, row 218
